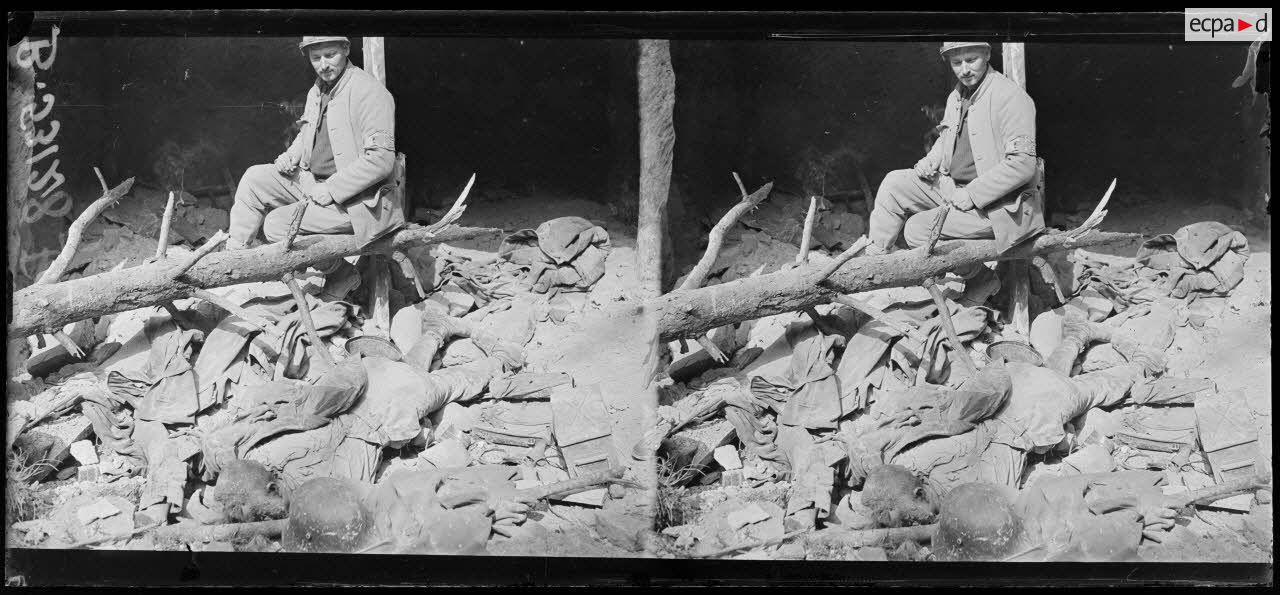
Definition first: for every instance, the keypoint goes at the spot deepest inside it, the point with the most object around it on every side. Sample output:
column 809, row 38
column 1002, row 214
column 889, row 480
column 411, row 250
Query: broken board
column 1228, row 435
column 582, row 429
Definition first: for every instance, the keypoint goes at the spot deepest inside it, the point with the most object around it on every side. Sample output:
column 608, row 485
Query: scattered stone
column 728, row 458
column 871, row 554
column 747, row 516
column 90, row 473
column 623, row 530
column 84, row 452
column 100, row 509
column 218, row 546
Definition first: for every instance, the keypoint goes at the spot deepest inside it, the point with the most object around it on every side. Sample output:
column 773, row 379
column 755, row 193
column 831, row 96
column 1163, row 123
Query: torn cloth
column 277, row 407
column 566, row 252
column 1201, row 258
column 165, row 388
column 808, row 393
column 865, row 353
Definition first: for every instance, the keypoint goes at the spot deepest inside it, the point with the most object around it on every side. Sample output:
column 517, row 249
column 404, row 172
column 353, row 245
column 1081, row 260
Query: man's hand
column 319, row 194
column 926, row 170
column 286, row 164
column 960, row 199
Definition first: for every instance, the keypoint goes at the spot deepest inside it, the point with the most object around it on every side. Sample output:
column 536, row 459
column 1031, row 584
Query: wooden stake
column 807, row 236
column 162, row 246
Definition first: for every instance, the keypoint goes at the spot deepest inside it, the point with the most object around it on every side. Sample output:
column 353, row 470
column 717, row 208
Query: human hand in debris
column 1156, row 520
column 960, row 199
column 926, row 170
column 286, row 164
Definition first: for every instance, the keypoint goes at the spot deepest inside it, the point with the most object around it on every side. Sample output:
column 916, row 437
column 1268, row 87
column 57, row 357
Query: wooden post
column 1015, row 62
column 1015, row 67
column 375, row 63
column 657, row 83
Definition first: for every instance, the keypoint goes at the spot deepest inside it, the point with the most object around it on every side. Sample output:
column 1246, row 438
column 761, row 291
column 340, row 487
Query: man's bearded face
column 969, row 66
column 328, row 60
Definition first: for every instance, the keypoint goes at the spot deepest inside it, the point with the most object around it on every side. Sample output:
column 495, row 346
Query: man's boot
column 980, row 283
column 340, row 279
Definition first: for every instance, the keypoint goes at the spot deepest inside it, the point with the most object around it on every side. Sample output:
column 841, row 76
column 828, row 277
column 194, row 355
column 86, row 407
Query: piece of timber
column 46, row 308
column 686, row 313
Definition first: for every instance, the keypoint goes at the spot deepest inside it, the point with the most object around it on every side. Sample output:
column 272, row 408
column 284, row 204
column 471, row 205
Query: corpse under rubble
column 838, row 437
column 222, row 433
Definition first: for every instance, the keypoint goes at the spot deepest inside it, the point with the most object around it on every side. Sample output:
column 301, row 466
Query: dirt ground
column 1234, row 351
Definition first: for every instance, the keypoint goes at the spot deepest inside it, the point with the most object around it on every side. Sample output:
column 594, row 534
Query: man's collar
column 346, row 73
column 982, row 86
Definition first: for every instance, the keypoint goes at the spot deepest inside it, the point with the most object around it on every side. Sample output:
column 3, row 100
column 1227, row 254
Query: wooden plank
column 375, row 61
column 1015, row 62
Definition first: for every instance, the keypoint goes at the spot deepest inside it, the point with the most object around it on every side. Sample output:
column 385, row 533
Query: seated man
column 338, row 161
column 983, row 164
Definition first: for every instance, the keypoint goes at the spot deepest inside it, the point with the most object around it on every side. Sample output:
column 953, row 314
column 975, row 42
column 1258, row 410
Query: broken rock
column 728, row 458
column 623, row 530
column 84, row 452
column 100, row 509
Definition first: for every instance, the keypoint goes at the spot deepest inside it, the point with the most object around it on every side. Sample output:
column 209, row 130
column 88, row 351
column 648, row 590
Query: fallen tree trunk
column 47, row 308
column 687, row 313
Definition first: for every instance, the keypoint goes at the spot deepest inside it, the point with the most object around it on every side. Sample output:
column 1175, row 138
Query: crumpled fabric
column 328, row 317
column 969, row 322
column 278, row 407
column 813, row 475
column 756, row 429
column 1040, row 402
column 808, row 393
column 415, row 512
column 1202, row 258
column 1095, row 517
column 113, row 426
column 326, row 451
column 165, row 388
column 168, row 462
column 567, row 252
column 938, row 412
column 865, row 353
column 1043, row 401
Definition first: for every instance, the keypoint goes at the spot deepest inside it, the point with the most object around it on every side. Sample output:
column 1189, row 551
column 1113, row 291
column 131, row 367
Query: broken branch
column 74, row 233
column 162, row 246
column 716, row 238
column 185, row 532
column 43, row 308
column 889, row 537
column 209, row 246
column 690, row 312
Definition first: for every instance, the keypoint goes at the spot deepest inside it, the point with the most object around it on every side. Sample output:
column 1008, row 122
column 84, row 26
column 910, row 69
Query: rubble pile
column 855, row 432
column 240, row 432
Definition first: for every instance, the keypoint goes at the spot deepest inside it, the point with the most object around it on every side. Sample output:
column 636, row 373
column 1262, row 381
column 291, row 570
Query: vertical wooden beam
column 657, row 84
column 1015, row 62
column 379, row 268
column 1015, row 67
column 375, row 61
